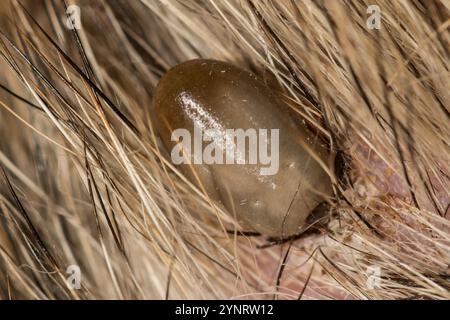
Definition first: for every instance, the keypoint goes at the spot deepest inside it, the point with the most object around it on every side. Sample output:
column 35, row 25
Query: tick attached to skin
column 271, row 187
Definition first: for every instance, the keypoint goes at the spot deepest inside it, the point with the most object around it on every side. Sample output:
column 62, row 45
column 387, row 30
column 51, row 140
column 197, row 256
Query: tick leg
column 317, row 218
column 341, row 165
column 245, row 233
column 278, row 241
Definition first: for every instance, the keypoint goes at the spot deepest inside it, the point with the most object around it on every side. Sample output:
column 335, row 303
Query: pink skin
column 374, row 178
column 374, row 181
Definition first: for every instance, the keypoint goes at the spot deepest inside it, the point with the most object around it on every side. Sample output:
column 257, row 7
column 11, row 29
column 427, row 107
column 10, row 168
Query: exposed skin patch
column 374, row 177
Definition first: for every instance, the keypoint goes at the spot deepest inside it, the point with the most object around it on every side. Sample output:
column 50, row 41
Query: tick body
column 215, row 97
